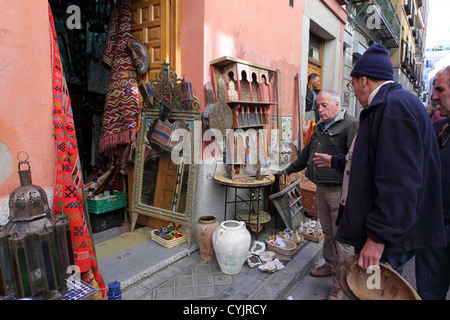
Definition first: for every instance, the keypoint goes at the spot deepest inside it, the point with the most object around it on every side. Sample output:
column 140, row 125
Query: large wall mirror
column 165, row 176
column 165, row 172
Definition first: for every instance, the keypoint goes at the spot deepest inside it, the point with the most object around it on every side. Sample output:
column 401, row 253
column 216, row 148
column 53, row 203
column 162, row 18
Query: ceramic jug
column 203, row 232
column 231, row 242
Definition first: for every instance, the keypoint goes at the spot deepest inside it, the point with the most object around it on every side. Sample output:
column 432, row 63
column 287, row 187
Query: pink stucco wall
column 26, row 120
column 268, row 35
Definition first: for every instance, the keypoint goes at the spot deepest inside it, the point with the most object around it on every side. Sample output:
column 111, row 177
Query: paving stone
column 241, row 295
column 153, row 282
column 139, row 291
column 206, row 291
column 231, row 290
column 168, row 284
column 148, row 296
column 129, row 295
column 199, row 269
column 182, row 281
column 222, row 278
column 164, row 294
column 202, row 279
column 182, row 293
column 191, row 278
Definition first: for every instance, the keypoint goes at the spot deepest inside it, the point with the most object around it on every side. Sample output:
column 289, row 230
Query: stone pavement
column 190, row 278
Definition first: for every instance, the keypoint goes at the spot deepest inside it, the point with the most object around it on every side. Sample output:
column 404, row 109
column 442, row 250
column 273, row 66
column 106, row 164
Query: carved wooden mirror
column 165, row 172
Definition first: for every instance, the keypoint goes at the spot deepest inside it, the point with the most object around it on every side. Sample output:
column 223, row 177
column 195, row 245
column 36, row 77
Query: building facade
column 397, row 24
column 189, row 34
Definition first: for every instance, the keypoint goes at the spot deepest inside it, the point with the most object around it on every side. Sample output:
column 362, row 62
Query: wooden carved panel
column 152, row 21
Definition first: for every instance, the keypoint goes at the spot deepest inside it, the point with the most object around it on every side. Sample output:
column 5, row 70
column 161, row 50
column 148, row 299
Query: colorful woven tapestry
column 68, row 196
column 122, row 98
column 308, row 129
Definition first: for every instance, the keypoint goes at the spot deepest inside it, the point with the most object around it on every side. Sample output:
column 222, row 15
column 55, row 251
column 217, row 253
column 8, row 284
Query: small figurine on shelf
column 232, row 93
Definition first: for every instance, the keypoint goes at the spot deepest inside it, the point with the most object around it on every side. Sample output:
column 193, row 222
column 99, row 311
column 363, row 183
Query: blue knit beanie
column 374, row 63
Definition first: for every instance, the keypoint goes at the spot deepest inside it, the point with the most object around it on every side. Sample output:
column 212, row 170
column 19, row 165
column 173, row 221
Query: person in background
column 437, row 115
column 433, row 264
column 311, row 112
column 333, row 134
column 431, row 110
column 391, row 202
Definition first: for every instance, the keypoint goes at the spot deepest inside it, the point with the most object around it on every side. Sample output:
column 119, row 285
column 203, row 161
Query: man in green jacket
column 333, row 134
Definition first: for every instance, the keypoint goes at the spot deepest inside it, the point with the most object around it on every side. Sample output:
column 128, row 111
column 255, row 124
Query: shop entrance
column 315, row 55
column 155, row 23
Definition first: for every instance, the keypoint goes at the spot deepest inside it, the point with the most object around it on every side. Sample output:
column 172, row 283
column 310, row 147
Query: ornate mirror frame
column 138, row 206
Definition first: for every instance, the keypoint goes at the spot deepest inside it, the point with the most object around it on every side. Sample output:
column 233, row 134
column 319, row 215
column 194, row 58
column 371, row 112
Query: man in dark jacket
column 392, row 204
column 334, row 133
column 312, row 113
column 433, row 264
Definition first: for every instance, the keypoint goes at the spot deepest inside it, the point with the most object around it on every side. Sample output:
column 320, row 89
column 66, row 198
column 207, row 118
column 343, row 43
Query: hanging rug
column 67, row 194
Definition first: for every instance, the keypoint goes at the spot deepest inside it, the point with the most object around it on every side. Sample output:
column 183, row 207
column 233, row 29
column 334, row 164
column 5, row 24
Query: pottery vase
column 203, row 231
column 231, row 242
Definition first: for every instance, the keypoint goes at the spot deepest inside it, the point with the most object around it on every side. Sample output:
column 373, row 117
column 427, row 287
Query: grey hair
column 333, row 94
column 445, row 70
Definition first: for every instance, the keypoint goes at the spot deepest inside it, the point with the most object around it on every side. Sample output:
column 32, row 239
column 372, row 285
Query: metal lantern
column 35, row 245
column 187, row 94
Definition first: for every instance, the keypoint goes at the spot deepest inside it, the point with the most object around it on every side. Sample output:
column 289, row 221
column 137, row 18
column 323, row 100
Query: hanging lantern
column 187, row 94
column 35, row 245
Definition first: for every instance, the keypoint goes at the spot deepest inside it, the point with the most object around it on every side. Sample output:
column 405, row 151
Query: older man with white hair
column 433, row 265
column 334, row 133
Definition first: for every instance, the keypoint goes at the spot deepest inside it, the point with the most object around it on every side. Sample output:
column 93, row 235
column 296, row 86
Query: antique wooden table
column 250, row 183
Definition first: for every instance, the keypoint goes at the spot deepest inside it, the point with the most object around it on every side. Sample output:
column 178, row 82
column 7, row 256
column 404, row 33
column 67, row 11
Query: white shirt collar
column 374, row 92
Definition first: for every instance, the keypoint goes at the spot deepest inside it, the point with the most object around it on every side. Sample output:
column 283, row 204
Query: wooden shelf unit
column 249, row 90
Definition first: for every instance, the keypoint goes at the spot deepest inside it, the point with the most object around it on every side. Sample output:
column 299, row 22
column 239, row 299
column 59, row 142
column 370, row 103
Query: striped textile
column 161, row 134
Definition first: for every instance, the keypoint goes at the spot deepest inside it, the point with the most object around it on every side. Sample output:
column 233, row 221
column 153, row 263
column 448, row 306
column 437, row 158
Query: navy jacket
column 445, row 169
column 394, row 194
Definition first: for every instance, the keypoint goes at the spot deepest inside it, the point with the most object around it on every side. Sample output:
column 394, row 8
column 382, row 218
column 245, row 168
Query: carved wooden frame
column 138, row 207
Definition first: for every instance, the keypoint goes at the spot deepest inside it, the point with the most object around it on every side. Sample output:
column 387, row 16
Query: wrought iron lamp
column 35, row 245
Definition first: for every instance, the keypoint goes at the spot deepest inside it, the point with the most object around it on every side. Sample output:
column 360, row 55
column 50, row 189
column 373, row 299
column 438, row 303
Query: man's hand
column 370, row 254
column 322, row 159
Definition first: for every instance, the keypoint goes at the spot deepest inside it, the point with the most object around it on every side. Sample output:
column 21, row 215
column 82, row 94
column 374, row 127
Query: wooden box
column 308, row 191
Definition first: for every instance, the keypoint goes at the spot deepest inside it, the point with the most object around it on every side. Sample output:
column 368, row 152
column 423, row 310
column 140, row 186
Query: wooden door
column 315, row 56
column 313, row 68
column 165, row 183
column 164, row 191
column 157, row 24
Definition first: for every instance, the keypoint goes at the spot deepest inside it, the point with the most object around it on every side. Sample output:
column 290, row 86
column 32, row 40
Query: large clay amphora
column 231, row 242
column 203, row 231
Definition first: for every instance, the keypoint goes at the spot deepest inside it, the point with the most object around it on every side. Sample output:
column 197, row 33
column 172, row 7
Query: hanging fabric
column 98, row 75
column 68, row 197
column 120, row 114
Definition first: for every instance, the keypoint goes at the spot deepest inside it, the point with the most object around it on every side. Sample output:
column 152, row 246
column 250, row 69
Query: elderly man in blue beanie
column 391, row 202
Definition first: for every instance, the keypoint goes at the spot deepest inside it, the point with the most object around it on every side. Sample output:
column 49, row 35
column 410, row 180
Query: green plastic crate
column 116, row 201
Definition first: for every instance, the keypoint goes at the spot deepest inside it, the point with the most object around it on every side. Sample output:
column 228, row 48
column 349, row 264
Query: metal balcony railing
column 387, row 25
